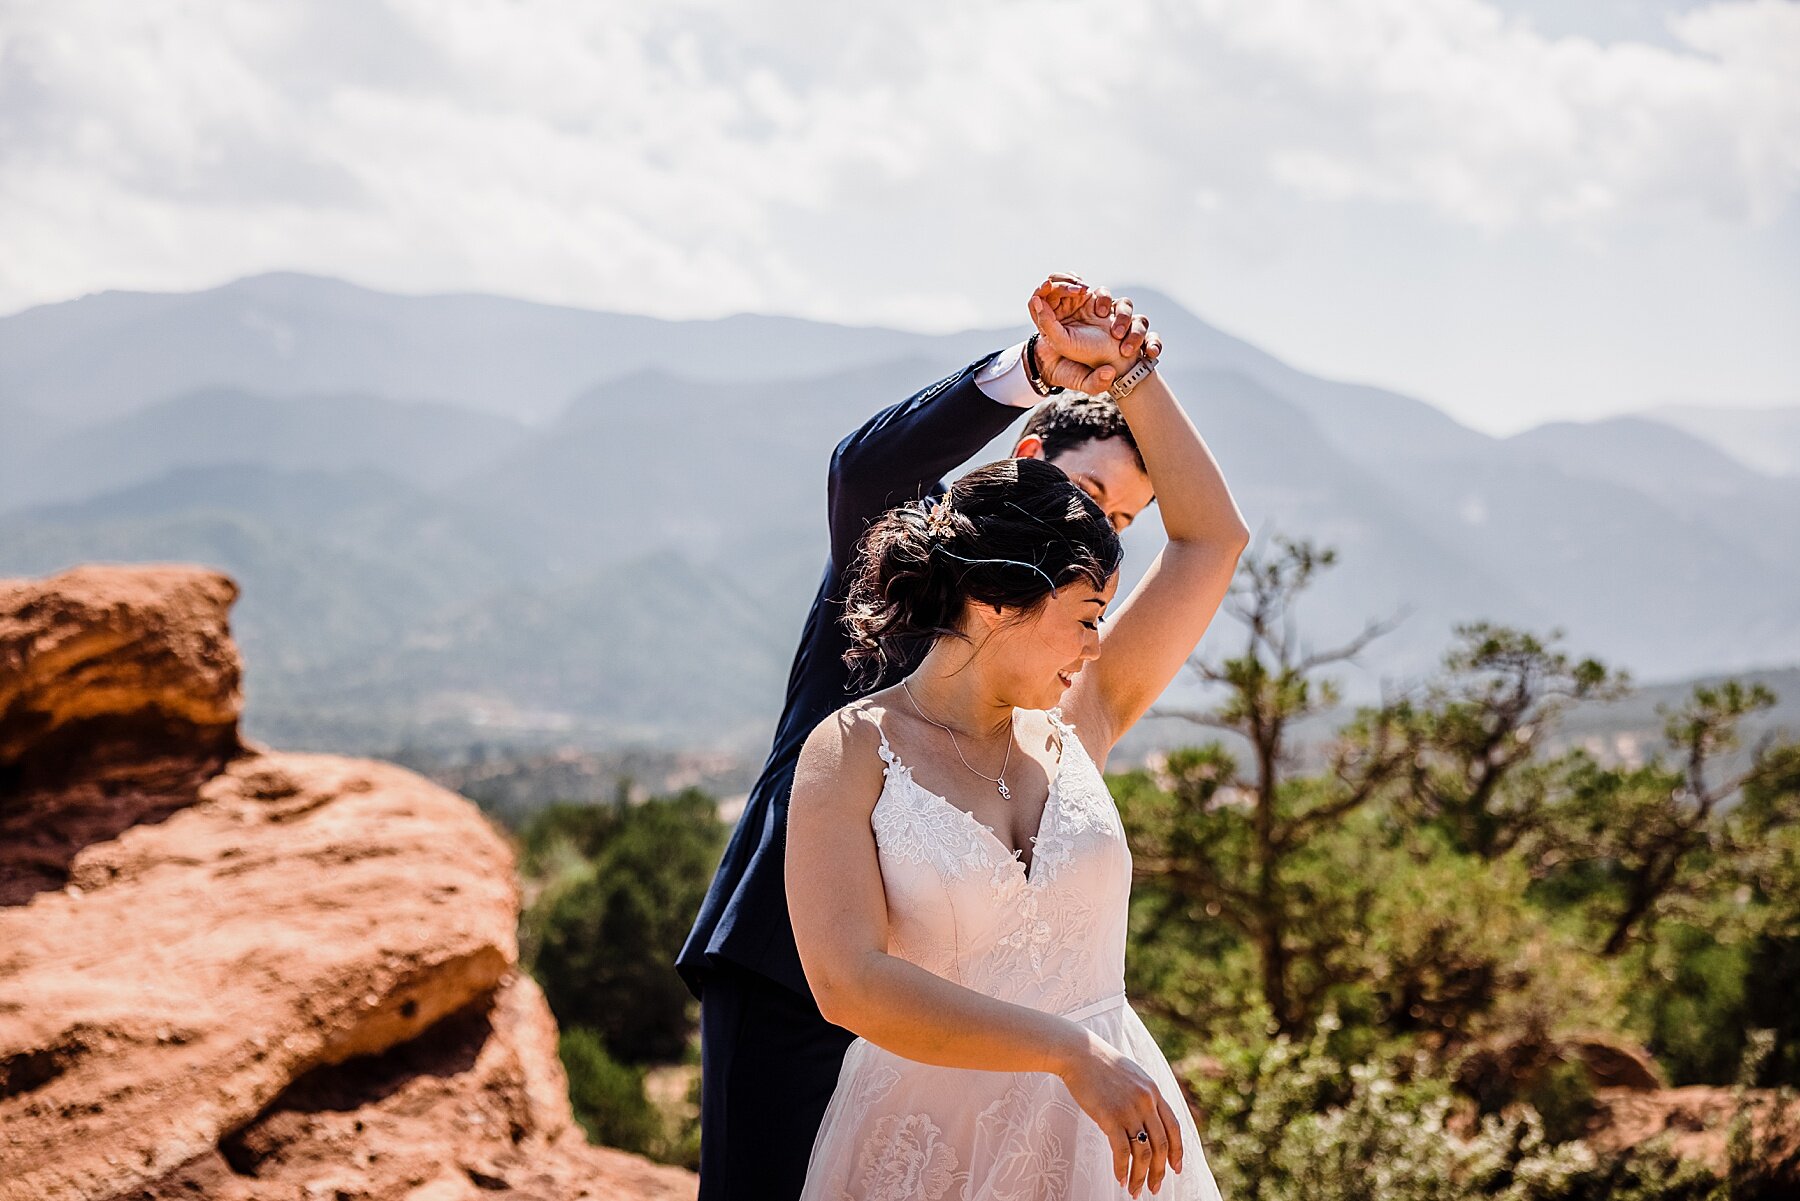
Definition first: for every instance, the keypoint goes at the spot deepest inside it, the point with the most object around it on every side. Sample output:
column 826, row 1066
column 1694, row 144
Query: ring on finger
column 1142, row 1136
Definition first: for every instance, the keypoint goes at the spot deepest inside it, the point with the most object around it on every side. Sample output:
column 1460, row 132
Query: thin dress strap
column 1066, row 737
column 884, row 750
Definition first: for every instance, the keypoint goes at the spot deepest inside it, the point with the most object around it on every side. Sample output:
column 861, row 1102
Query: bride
column 982, row 964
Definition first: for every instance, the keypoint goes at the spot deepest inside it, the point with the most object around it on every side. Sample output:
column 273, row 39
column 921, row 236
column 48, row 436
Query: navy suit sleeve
column 903, row 451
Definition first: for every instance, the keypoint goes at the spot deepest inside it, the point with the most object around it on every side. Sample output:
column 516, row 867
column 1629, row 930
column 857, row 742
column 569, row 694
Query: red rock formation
column 1503, row 1068
column 227, row 972
column 119, row 696
column 1632, row 1102
column 1696, row 1120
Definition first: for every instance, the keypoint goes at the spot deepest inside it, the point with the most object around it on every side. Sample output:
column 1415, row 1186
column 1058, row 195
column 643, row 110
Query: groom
column 769, row 1061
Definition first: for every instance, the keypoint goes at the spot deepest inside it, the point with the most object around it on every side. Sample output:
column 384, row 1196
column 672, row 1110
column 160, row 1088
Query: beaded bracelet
column 1031, row 370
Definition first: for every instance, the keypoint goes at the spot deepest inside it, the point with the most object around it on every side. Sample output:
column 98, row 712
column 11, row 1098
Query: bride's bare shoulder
column 840, row 763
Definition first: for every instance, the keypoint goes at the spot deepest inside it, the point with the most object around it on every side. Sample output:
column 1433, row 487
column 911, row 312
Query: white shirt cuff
column 1004, row 379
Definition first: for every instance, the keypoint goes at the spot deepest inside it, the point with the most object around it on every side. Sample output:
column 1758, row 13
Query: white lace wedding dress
column 962, row 904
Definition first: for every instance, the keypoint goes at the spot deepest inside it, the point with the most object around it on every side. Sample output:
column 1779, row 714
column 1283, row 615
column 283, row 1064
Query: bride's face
column 1040, row 656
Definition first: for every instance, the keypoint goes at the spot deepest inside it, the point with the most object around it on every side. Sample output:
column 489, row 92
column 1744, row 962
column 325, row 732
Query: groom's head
column 1091, row 442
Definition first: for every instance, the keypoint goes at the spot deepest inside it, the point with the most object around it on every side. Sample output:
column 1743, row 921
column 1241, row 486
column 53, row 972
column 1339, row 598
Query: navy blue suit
column 769, row 1061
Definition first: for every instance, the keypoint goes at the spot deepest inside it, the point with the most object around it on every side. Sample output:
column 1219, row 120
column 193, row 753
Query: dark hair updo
column 918, row 564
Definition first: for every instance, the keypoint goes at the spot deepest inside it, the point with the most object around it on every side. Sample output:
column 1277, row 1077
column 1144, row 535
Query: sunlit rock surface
column 231, row 972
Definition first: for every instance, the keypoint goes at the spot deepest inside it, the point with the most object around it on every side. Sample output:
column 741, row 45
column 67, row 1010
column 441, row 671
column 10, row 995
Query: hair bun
column 907, row 588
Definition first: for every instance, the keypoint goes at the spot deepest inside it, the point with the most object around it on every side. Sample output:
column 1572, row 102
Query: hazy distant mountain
column 1646, row 455
column 300, row 500
column 1765, row 515
column 1767, row 439
column 1715, row 546
column 653, row 650
column 428, row 443
column 23, row 432
column 735, row 476
column 293, row 335
column 333, row 563
column 1371, row 425
column 731, row 473
column 1395, row 561
column 609, row 526
column 1631, row 578
column 287, row 334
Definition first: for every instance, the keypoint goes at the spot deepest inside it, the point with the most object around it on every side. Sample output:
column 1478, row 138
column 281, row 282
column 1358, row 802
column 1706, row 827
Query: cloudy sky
column 1519, row 211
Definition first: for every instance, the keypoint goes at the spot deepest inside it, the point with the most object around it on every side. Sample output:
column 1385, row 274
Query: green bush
column 602, row 941
column 607, row 1096
column 568, row 829
column 1692, row 1004
column 1288, row 1121
column 1775, row 968
column 1563, row 1095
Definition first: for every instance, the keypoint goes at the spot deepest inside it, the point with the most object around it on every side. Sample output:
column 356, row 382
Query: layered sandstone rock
column 227, row 972
column 119, row 696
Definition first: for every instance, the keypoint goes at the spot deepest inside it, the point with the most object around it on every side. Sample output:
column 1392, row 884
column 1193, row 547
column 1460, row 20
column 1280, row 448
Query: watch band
column 1140, row 371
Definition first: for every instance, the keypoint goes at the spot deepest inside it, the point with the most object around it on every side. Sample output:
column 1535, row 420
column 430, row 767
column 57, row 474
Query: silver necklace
column 998, row 781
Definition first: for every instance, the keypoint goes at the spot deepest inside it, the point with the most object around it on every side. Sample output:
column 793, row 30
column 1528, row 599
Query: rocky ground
column 231, row 972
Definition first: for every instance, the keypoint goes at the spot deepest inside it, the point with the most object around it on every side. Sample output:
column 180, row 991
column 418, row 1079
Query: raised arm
column 1160, row 623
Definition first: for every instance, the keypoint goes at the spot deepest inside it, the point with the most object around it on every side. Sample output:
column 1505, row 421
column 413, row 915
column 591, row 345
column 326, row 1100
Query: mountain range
column 460, row 516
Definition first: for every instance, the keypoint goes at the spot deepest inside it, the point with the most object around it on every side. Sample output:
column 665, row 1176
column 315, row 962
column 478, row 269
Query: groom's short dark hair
column 1067, row 421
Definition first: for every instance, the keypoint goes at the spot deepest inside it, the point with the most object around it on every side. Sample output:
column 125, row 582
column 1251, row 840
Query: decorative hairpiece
column 937, row 515
column 1014, row 562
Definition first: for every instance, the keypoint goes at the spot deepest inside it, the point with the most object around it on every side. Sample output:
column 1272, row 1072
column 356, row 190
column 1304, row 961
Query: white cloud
column 1449, row 104
column 699, row 156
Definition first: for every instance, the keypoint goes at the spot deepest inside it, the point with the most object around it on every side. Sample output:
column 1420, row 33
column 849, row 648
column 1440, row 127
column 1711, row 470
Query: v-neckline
column 1014, row 857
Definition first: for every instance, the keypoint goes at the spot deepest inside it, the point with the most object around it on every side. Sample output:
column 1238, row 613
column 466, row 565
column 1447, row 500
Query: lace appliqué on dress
column 916, row 831
column 918, row 826
column 905, row 1159
column 878, row 1084
column 1085, row 805
column 1018, row 1135
column 1042, row 947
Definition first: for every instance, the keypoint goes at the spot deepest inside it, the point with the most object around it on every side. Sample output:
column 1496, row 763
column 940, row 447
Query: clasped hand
column 1087, row 337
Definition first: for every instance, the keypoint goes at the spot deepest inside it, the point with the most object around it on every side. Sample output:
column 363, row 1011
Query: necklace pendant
column 1005, row 792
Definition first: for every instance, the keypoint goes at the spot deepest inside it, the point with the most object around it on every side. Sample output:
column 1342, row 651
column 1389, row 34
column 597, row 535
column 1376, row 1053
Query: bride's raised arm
column 1160, row 623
